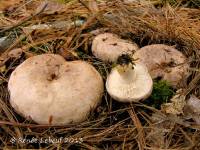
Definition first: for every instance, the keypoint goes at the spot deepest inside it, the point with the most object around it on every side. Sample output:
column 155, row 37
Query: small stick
column 83, row 3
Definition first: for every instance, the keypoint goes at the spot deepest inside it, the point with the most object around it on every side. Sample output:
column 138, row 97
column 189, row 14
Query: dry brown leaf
column 68, row 54
column 15, row 53
column 29, row 54
column 51, row 8
column 176, row 106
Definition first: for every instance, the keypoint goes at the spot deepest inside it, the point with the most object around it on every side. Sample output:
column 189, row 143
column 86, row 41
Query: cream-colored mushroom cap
column 49, row 89
column 130, row 86
column 108, row 47
column 165, row 62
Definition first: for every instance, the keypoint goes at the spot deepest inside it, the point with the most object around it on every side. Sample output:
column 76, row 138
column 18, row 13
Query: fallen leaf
column 176, row 106
column 15, row 53
column 68, row 54
column 29, row 54
column 51, row 8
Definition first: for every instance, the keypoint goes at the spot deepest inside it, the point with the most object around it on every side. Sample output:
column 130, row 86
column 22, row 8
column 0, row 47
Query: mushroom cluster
column 164, row 62
column 108, row 47
column 50, row 90
column 127, row 83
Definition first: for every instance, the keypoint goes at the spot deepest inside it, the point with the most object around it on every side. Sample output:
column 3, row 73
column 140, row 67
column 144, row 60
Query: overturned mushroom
column 108, row 47
column 164, row 62
column 50, row 90
column 128, row 83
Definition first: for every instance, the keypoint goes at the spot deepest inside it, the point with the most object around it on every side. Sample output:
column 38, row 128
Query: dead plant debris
column 112, row 125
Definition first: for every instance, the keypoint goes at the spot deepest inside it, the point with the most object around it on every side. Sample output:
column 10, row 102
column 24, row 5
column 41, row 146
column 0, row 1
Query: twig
column 83, row 3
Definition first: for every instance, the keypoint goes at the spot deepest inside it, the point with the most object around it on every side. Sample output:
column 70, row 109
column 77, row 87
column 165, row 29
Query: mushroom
column 164, row 62
column 108, row 47
column 128, row 83
column 50, row 90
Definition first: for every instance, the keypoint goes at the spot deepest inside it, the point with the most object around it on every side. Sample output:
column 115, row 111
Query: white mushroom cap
column 165, row 62
column 48, row 89
column 130, row 86
column 108, row 47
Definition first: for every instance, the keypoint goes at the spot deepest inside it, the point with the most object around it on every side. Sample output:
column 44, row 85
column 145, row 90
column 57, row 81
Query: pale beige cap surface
column 108, row 47
column 131, row 86
column 165, row 62
column 48, row 89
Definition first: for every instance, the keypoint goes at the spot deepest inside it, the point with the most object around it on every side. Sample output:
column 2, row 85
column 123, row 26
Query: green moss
column 162, row 92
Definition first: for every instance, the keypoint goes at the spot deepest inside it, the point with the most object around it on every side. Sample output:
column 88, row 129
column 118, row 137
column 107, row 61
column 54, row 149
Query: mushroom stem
column 127, row 72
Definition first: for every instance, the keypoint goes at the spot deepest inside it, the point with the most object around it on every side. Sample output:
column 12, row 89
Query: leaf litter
column 114, row 125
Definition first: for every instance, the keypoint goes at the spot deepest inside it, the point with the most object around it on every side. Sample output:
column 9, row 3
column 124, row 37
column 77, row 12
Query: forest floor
column 32, row 27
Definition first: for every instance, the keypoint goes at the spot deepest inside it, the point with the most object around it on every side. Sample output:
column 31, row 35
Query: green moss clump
column 162, row 93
